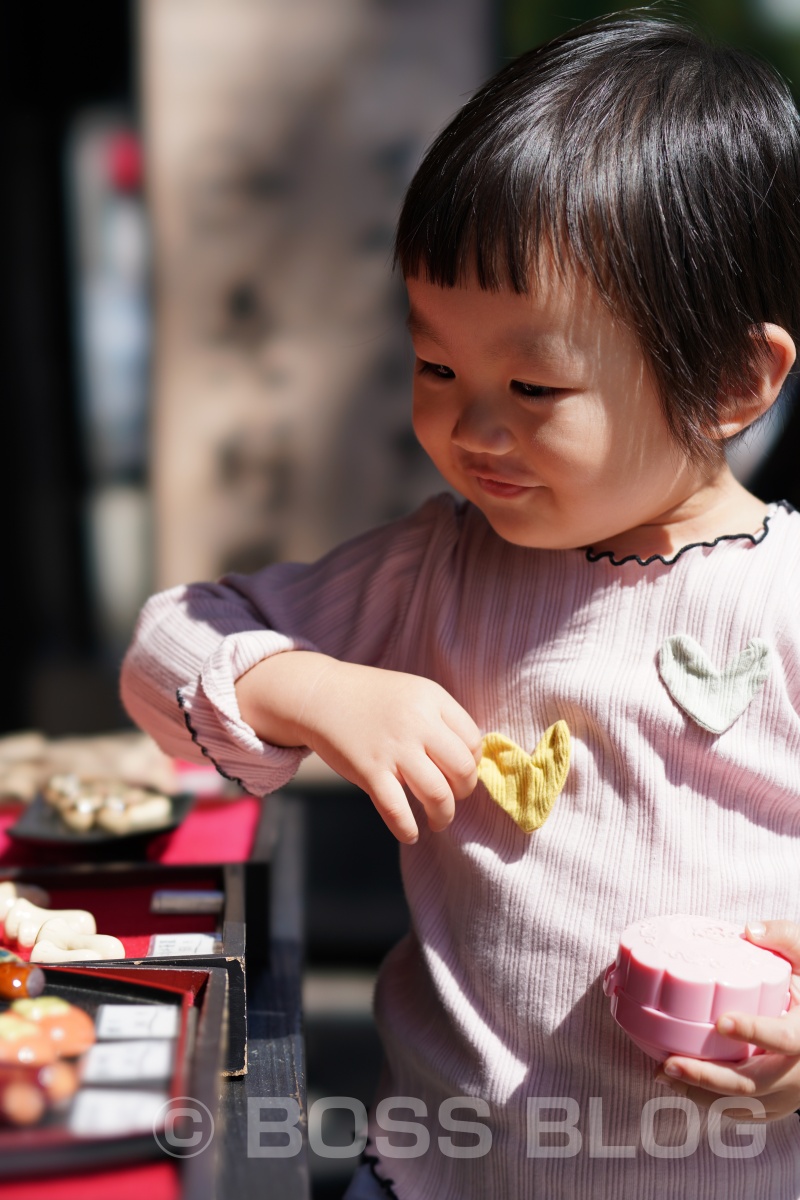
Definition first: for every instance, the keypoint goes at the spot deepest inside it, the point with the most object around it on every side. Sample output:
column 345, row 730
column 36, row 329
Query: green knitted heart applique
column 712, row 698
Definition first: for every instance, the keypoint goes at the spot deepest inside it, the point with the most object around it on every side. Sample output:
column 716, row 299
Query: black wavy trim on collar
column 755, row 538
column 387, row 1185
column 197, row 742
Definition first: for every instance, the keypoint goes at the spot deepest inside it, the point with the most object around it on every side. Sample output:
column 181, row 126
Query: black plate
column 42, row 822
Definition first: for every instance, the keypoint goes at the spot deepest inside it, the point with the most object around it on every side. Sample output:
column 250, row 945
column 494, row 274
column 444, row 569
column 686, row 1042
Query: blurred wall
column 280, row 139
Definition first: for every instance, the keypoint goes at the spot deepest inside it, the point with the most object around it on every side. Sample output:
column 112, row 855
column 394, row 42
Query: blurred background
column 202, row 351
column 203, row 360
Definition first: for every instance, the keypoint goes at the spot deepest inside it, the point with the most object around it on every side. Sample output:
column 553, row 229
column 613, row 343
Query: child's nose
column 480, row 427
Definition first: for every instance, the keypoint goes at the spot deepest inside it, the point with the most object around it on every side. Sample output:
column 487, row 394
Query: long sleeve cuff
column 212, row 716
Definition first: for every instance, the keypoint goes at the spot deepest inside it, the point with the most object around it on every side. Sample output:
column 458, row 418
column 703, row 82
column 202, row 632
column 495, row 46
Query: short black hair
column 662, row 165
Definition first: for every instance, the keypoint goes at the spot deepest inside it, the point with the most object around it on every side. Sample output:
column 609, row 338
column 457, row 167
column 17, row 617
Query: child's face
column 540, row 409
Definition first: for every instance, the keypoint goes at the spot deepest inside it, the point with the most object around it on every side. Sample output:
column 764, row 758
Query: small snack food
column 109, row 804
column 24, row 1042
column 22, row 1101
column 11, row 892
column 59, row 941
column 71, row 1029
column 18, row 978
column 24, row 920
column 121, row 816
column 675, row 976
column 26, row 1093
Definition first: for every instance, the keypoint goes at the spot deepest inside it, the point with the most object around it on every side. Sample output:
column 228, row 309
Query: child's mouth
column 500, row 488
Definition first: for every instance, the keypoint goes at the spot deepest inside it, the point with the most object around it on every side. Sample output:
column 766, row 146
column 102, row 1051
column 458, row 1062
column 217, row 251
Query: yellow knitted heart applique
column 526, row 785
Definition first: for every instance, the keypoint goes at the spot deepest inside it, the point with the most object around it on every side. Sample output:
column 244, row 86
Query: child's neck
column 720, row 505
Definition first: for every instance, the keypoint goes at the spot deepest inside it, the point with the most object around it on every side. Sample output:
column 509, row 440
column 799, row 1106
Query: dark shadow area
column 355, row 912
column 54, row 61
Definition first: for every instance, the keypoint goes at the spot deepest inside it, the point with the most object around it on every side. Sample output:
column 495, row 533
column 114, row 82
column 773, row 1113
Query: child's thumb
column 782, row 936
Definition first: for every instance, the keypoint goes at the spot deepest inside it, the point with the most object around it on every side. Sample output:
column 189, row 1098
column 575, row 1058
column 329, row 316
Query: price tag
column 120, row 1021
column 178, row 945
column 121, row 1062
column 178, row 900
column 109, row 1112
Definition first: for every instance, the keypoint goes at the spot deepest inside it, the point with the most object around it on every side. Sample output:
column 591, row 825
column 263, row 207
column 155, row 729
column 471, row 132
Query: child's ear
column 743, row 409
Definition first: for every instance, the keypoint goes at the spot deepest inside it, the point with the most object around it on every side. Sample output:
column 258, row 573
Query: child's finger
column 463, row 726
column 752, row 1108
column 781, row 936
column 389, row 798
column 781, row 1035
column 454, row 758
column 719, row 1079
column 433, row 791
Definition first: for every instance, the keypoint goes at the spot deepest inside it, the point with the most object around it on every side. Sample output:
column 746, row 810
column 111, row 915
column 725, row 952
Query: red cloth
column 215, row 831
column 220, row 831
column 156, row 1180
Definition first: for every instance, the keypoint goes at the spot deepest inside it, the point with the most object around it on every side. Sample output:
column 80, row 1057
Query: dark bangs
column 664, row 168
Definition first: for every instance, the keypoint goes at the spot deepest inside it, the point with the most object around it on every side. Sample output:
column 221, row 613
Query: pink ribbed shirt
column 496, row 993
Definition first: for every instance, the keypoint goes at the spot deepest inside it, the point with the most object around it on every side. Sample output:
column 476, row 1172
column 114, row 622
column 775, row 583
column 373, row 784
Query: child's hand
column 378, row 729
column 774, row 1077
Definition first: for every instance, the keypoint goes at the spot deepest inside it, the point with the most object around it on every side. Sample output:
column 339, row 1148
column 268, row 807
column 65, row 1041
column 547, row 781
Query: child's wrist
column 273, row 695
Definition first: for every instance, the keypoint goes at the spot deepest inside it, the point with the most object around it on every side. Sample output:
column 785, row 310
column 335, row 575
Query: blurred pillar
column 280, row 138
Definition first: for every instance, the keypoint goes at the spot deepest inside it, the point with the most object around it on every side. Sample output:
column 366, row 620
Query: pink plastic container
column 675, row 976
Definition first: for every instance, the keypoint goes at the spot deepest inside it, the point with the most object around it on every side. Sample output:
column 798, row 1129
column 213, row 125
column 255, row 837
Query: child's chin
column 531, row 535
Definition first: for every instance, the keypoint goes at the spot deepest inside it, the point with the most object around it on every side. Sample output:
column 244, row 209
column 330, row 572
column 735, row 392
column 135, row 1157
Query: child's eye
column 533, row 391
column 439, row 370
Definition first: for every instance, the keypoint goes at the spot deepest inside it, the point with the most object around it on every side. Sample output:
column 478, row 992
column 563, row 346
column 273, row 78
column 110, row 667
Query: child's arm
column 379, row 729
column 208, row 673
column 771, row 1079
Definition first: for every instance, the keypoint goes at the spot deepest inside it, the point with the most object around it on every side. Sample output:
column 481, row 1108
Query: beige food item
column 11, row 892
column 62, row 790
column 29, row 760
column 19, row 781
column 59, row 941
column 81, row 813
column 24, row 920
column 119, row 816
column 109, row 804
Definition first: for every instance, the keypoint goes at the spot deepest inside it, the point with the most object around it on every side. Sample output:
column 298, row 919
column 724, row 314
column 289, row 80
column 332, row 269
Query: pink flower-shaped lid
column 674, row 976
column 696, row 969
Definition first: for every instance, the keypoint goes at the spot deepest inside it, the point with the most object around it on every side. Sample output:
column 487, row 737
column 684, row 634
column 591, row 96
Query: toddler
column 573, row 694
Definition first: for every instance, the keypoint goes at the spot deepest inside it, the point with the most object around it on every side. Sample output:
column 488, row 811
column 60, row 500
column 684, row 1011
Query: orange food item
column 24, row 1042
column 58, row 1080
column 26, row 1093
column 70, row 1028
column 21, row 1103
column 19, row 978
